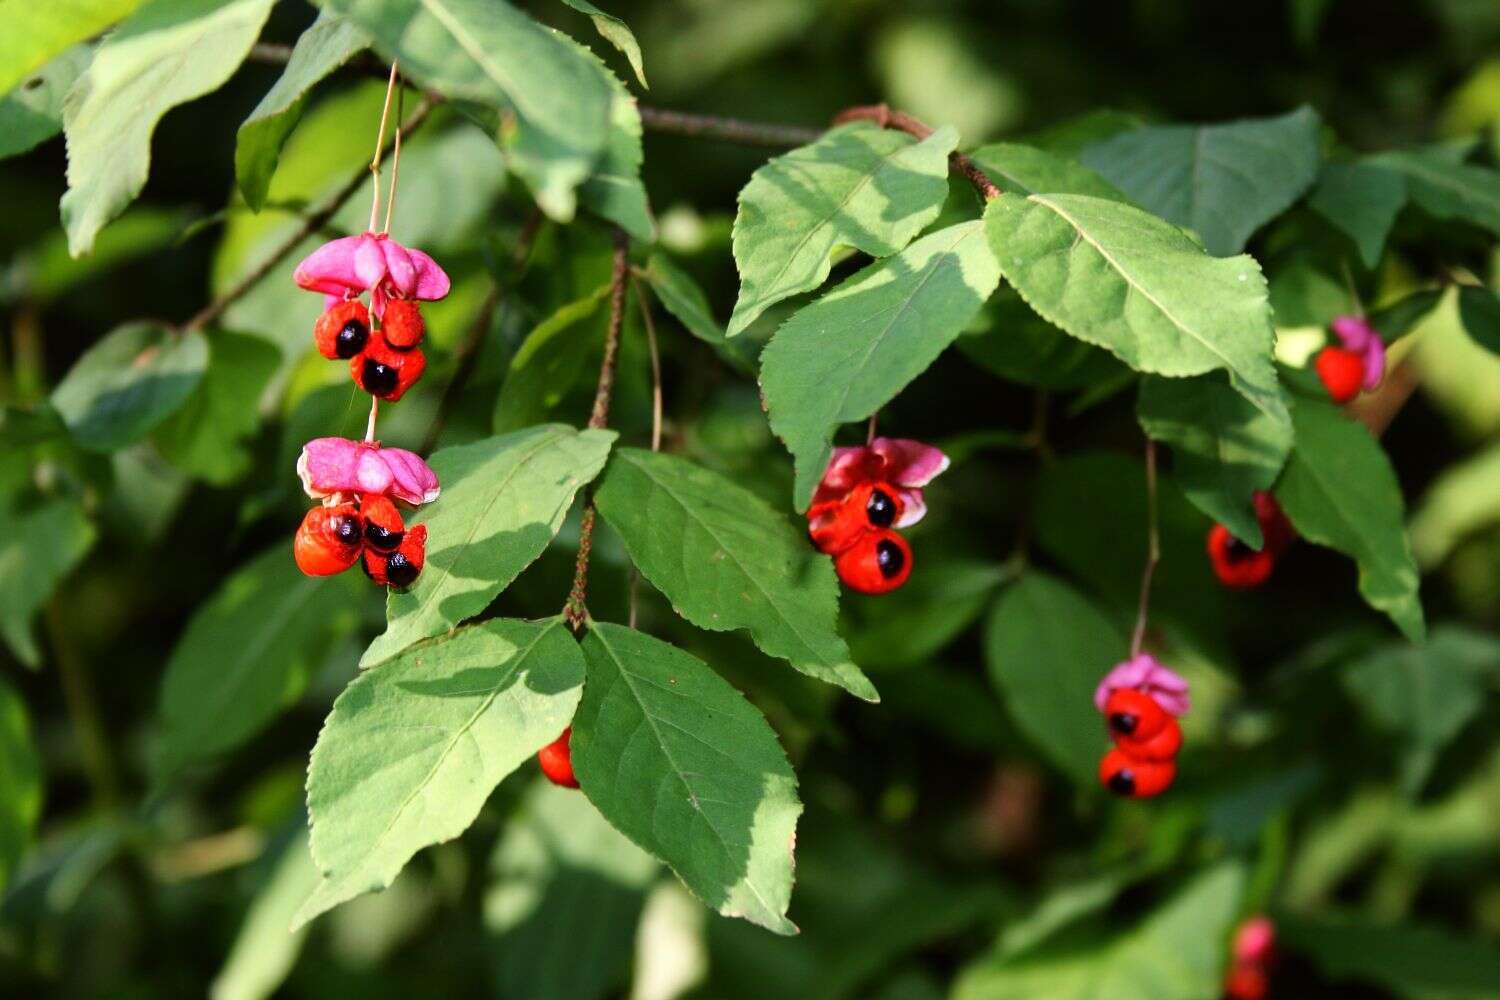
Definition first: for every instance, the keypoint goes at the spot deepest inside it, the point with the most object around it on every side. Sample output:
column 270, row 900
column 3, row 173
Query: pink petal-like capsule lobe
column 330, row 269
column 432, row 281
column 369, row 262
column 902, row 462
column 401, row 273
column 338, row 465
column 1354, row 332
column 412, row 480
column 908, row 462
column 1374, row 357
column 1144, row 673
column 372, row 263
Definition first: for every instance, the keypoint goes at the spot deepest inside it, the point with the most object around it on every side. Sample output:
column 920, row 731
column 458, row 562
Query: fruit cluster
column 1140, row 700
column 1357, row 364
column 1251, row 958
column 865, row 495
column 1237, row 564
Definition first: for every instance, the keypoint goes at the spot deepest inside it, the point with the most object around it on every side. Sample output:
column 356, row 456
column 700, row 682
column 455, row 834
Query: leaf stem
column 885, row 117
column 385, row 114
column 1153, row 551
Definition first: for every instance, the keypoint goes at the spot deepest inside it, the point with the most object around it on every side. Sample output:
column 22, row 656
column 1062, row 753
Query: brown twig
column 885, row 117
column 1377, row 410
column 1153, row 551
column 735, row 130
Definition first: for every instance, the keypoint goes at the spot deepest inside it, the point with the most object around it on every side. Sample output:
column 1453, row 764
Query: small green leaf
column 33, row 112
column 321, row 49
column 414, row 746
column 1409, row 960
column 37, row 33
column 1446, row 188
column 617, row 33
column 248, row 652
column 504, row 498
column 263, row 952
column 550, row 363
column 1221, row 181
column 726, row 560
column 167, row 53
column 1339, row 490
column 1224, row 449
column 1027, row 170
column 125, row 385
column 1479, row 308
column 681, row 296
column 206, row 437
column 20, row 782
column 1399, row 318
column 41, row 548
column 613, row 190
column 1047, row 648
column 1120, row 278
column 868, row 188
column 683, row 765
column 849, row 353
column 1363, row 200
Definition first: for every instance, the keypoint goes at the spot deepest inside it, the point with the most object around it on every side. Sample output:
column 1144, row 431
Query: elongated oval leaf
column 1363, row 200
column 414, row 746
column 1125, row 280
column 20, row 782
column 849, row 353
column 128, row 383
column 503, row 500
column 167, row 53
column 1022, row 169
column 726, row 560
column 248, row 652
column 205, row 438
column 616, row 32
column 860, row 186
column 550, row 363
column 40, row 549
column 36, row 33
column 684, row 766
column 1221, row 181
column 33, row 112
column 1479, row 309
column 1446, row 188
column 613, row 190
column 1339, row 490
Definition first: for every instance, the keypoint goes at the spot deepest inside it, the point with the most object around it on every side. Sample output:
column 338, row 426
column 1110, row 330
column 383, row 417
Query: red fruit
column 1342, row 372
column 1274, row 527
column 556, row 759
column 1237, row 564
column 401, row 568
column 879, row 562
column 328, row 540
column 343, row 330
column 384, row 528
column 1246, row 982
column 836, row 525
column 402, row 325
column 1163, row 746
column 1134, row 715
column 1135, row 779
column 385, row 372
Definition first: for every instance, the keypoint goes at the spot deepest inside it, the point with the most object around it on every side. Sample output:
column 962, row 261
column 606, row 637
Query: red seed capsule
column 878, row 563
column 556, row 759
column 1246, row 982
column 1135, row 779
column 1342, row 372
column 384, row 528
column 343, row 330
column 1164, row 746
column 384, row 372
column 836, row 525
column 400, row 568
column 328, row 540
column 1237, row 564
column 402, row 325
column 1134, row 715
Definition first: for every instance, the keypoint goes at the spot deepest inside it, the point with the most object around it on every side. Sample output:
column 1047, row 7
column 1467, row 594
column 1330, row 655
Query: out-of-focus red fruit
column 402, row 325
column 1237, row 564
column 878, row 563
column 328, row 540
column 1163, row 746
column 1135, row 779
column 1134, row 715
column 556, row 759
column 1342, row 372
column 1246, row 982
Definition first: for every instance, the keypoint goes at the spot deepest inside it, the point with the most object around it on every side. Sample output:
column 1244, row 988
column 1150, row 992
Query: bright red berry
column 402, row 325
column 400, row 568
column 1135, row 779
column 878, row 563
column 329, row 540
column 1163, row 746
column 1342, row 372
column 385, row 372
column 837, row 525
column 1237, row 564
column 1134, row 715
column 384, row 528
column 1246, row 982
column 343, row 330
column 556, row 759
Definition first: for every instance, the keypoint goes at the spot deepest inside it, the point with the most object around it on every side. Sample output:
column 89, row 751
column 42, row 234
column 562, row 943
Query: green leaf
column 488, row 51
column 35, row 34
column 33, row 112
column 1479, row 309
column 46, row 271
column 911, row 625
column 167, row 53
column 1464, row 499
column 859, row 186
column 263, row 952
column 206, row 437
column 20, row 782
column 248, row 652
column 681, row 296
column 414, row 746
column 1047, row 648
column 1120, row 278
column 1423, row 963
column 726, row 560
column 1339, row 490
column 41, row 548
column 321, row 49
column 683, row 765
column 849, row 353
column 617, row 33
column 1176, row 953
column 1363, row 200
column 1446, row 188
column 1424, row 695
column 128, row 383
column 1399, row 318
column 1027, row 170
column 1221, row 181
column 1019, row 346
column 504, row 498
column 1224, row 449
column 613, row 190
column 550, row 363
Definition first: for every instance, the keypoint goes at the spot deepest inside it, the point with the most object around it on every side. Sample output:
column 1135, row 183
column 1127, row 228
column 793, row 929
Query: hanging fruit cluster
column 1356, row 364
column 1253, row 955
column 1237, row 564
column 865, row 495
column 1141, row 700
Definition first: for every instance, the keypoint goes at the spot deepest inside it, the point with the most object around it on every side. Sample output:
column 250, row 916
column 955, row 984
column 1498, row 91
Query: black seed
column 399, row 570
column 889, row 557
column 380, row 380
column 881, row 509
column 351, row 339
column 1122, row 782
column 1123, row 722
column 383, row 539
column 346, row 530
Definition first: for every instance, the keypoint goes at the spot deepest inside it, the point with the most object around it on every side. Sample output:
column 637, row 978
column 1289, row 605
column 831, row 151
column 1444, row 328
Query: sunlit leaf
column 616, row 32
column 35, row 34
column 1025, row 170
column 33, row 112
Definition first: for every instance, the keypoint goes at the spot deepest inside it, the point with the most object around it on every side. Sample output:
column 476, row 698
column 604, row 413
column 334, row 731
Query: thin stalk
column 1153, row 552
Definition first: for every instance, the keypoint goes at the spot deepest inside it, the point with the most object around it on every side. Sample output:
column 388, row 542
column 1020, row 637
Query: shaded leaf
column 681, row 296
column 911, row 624
column 726, row 560
column 33, row 112
column 1463, row 499
column 1479, row 310
column 127, row 383
column 1363, row 200
column 41, row 548
column 1446, row 188
column 1027, row 170
column 683, row 765
column 35, row 34
column 206, row 437
column 614, row 190
column 1020, row 346
column 551, row 361
column 1399, row 318
column 617, row 33
column 1422, row 963
column 20, row 782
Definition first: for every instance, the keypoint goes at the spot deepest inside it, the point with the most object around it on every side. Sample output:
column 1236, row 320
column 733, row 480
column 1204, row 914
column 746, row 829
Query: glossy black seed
column 1122, row 782
column 346, row 530
column 380, row 380
column 351, row 339
column 1123, row 722
column 383, row 539
column 880, row 508
column 399, row 570
column 889, row 557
